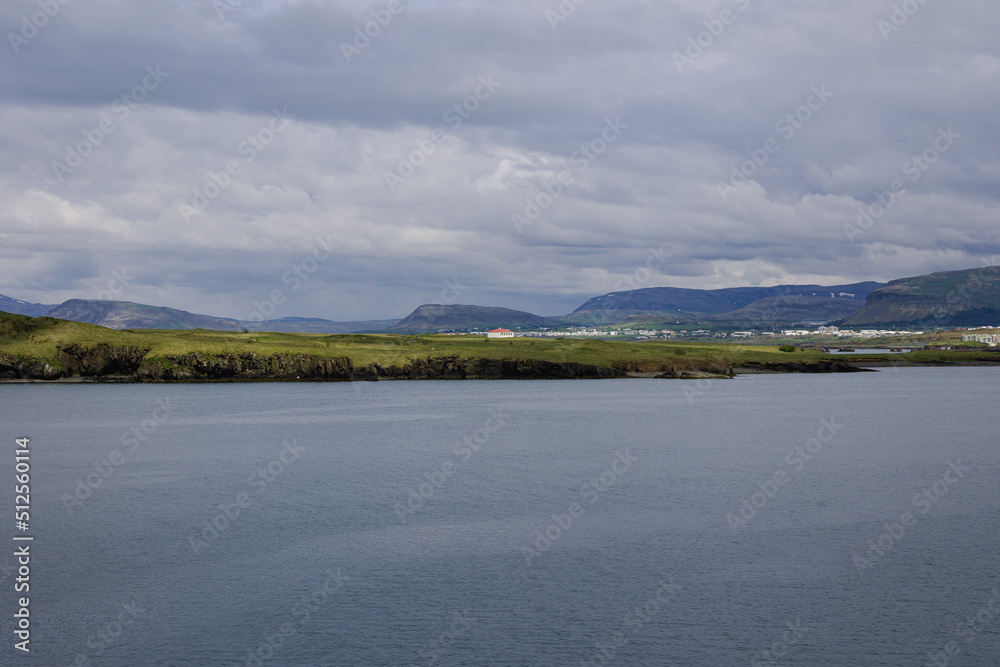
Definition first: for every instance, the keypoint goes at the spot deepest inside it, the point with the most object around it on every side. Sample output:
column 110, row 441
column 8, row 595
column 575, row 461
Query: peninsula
column 49, row 349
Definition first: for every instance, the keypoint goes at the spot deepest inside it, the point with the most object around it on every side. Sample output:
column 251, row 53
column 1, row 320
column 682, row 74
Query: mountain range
column 18, row 307
column 766, row 304
column 945, row 299
column 128, row 315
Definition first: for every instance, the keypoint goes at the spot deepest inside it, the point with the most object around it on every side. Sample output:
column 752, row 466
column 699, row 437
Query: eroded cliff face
column 102, row 360
column 249, row 366
column 132, row 364
column 822, row 366
column 111, row 363
column 12, row 368
column 673, row 368
column 303, row 367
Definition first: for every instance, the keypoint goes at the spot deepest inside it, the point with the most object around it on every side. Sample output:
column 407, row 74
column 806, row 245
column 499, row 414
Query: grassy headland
column 62, row 345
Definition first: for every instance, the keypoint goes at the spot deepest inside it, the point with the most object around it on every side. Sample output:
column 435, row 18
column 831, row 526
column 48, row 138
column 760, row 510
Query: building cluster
column 991, row 339
column 577, row 332
column 849, row 333
column 992, row 335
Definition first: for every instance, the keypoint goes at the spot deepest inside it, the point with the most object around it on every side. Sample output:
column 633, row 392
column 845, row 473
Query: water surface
column 513, row 522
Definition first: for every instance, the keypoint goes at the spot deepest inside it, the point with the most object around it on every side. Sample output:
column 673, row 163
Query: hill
column 791, row 309
column 128, row 315
column 50, row 349
column 946, row 299
column 615, row 306
column 18, row 307
column 431, row 318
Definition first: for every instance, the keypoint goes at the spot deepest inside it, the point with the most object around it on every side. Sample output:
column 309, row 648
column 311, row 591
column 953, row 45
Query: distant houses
column 500, row 333
column 990, row 339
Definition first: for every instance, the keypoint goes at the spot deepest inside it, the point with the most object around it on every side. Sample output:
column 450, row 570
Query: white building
column 500, row 333
column 991, row 339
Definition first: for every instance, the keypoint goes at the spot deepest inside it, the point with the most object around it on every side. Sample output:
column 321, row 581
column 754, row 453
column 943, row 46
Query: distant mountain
column 945, row 299
column 791, row 308
column 697, row 303
column 433, row 318
column 18, row 307
column 128, row 315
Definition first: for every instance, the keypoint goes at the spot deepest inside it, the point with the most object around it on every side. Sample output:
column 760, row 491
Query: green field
column 38, row 339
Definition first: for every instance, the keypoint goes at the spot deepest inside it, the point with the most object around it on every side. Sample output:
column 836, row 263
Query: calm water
column 550, row 523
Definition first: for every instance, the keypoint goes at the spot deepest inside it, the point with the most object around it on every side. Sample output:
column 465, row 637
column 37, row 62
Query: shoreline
column 787, row 368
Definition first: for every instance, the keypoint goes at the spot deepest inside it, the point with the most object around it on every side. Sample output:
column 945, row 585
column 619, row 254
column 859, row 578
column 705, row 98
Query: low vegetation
column 40, row 339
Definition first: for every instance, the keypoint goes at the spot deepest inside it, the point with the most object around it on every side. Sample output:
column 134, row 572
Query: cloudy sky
column 356, row 158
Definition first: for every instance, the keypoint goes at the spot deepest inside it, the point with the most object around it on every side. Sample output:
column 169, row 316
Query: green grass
column 39, row 338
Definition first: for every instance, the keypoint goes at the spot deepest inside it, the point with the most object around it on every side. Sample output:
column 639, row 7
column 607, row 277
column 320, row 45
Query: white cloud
column 324, row 175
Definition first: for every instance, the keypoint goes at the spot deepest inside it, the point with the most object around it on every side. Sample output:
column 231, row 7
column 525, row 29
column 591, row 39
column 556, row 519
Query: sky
column 353, row 160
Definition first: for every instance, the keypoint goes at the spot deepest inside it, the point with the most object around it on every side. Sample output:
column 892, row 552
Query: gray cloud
column 355, row 119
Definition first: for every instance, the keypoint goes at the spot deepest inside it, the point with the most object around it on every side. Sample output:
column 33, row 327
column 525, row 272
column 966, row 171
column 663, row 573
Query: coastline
column 62, row 352
column 484, row 369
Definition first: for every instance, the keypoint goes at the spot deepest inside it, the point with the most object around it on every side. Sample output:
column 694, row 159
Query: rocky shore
column 105, row 363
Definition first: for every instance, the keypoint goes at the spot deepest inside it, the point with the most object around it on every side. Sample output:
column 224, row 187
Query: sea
column 822, row 519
